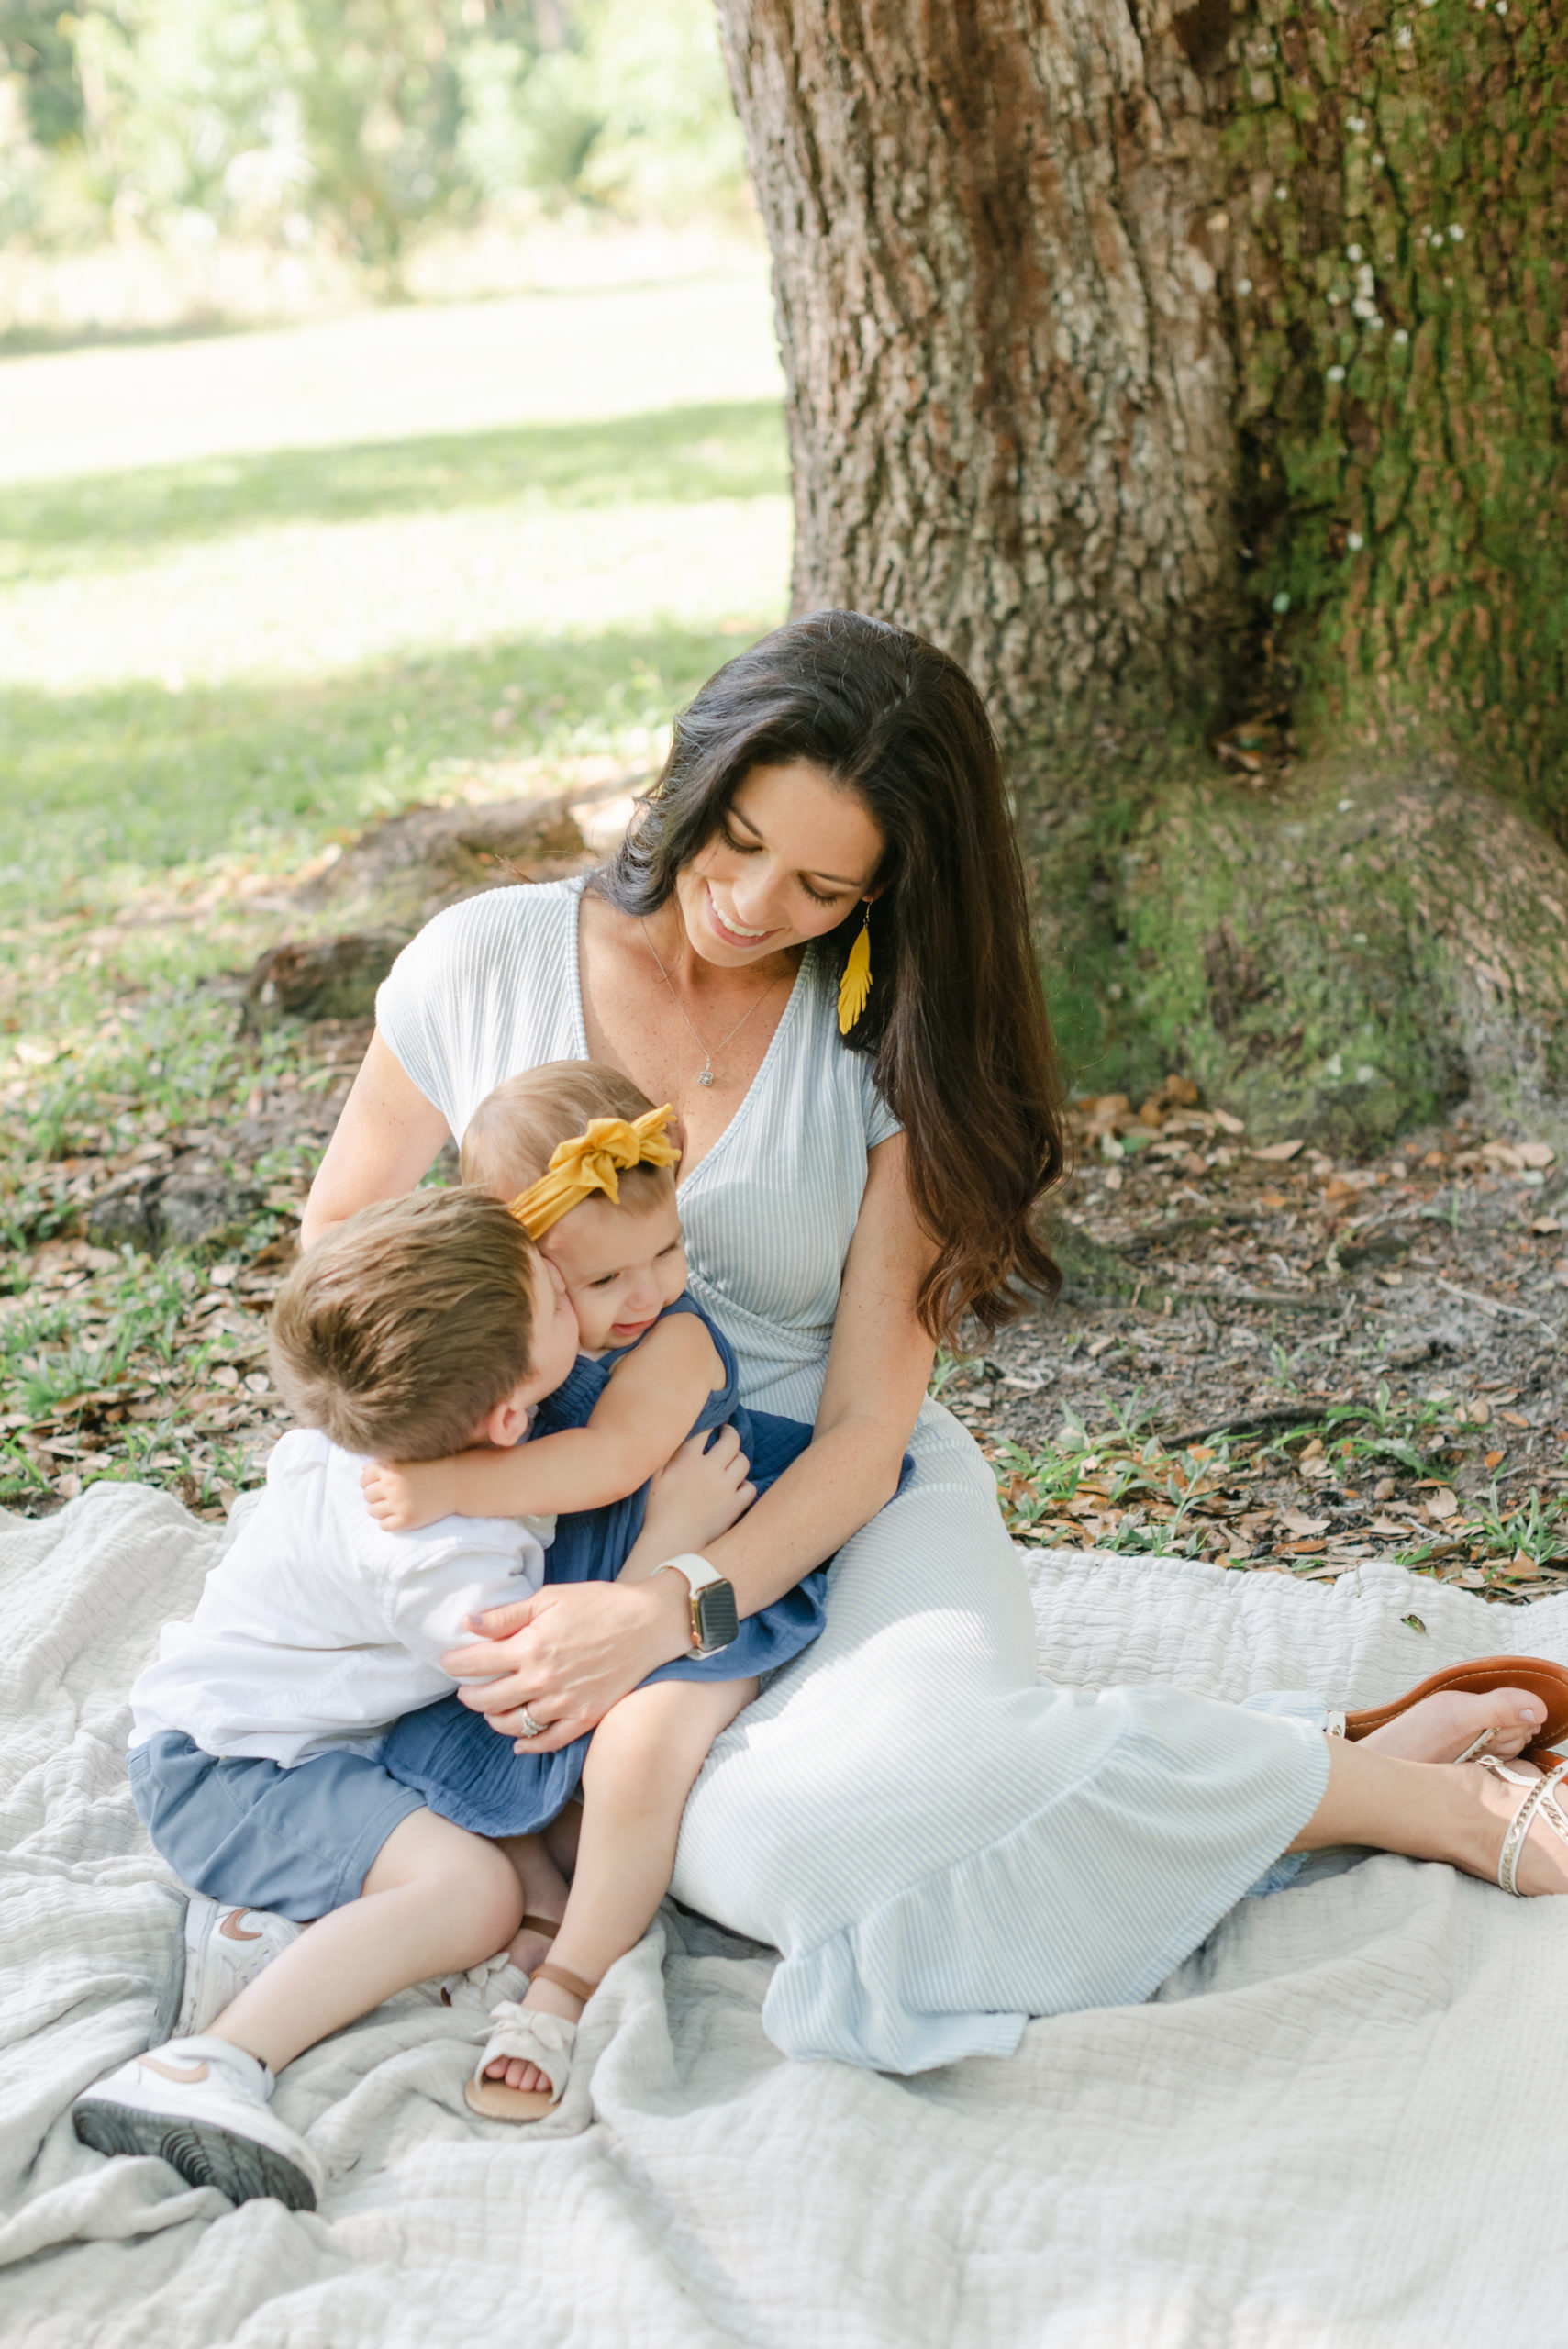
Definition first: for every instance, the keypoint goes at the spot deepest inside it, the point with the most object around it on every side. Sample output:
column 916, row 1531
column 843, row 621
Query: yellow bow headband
column 594, row 1162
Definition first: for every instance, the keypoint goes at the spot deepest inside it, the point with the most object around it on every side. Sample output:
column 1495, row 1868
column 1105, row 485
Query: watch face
column 717, row 1620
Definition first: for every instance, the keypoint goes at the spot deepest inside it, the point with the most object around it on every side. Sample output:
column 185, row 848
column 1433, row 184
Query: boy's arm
column 429, row 1604
column 641, row 1418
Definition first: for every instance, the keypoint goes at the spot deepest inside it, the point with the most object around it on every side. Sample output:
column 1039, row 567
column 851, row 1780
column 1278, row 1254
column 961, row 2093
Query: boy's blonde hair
column 507, row 1143
column 400, row 1330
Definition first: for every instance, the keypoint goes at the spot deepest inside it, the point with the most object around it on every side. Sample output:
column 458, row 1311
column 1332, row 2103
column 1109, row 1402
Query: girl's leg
column 640, row 1767
column 437, row 1899
column 543, row 1890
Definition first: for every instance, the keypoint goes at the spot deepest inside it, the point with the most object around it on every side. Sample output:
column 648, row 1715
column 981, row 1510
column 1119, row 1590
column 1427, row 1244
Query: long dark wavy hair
column 955, row 1018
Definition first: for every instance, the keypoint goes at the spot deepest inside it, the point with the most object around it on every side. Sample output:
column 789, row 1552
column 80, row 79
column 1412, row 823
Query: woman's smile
column 729, row 931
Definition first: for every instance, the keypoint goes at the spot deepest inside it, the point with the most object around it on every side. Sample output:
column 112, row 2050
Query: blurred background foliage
column 358, row 126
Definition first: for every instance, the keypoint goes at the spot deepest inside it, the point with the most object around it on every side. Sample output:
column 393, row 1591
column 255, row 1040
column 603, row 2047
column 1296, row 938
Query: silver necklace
column 707, row 1076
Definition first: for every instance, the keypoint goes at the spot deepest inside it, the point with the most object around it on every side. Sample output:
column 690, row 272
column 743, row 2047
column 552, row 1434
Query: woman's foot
column 1444, row 1726
column 1542, row 1863
column 543, row 1998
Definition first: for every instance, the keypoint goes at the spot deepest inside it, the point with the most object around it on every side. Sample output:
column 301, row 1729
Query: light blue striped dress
column 939, row 1846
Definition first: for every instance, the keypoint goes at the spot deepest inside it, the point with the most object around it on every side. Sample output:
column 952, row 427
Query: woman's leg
column 941, row 1847
column 1427, row 1811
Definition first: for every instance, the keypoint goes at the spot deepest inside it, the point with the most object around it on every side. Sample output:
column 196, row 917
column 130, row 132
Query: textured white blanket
column 1334, row 2126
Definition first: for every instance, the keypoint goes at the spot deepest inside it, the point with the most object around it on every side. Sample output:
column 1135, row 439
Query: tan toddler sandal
column 486, row 1977
column 1540, row 1801
column 532, row 2036
column 1534, row 1674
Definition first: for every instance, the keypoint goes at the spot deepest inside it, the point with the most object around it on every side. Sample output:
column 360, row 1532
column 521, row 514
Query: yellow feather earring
column 855, row 984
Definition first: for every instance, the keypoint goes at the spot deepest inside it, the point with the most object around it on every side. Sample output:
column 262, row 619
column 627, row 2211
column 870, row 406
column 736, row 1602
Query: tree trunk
column 1196, row 378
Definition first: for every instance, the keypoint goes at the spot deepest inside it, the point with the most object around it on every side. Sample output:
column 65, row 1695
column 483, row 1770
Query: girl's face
column 794, row 853
column 621, row 1265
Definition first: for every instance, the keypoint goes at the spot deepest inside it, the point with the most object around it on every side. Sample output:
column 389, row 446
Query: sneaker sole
column 204, row 2156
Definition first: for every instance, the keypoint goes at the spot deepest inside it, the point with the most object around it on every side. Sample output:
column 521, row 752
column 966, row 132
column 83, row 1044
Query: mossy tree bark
column 1187, row 372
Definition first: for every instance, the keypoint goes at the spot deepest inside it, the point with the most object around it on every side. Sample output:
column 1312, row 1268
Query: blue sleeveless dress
column 468, row 1773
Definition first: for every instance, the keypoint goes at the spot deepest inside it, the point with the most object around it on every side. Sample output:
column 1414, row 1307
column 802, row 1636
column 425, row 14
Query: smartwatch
column 714, row 1621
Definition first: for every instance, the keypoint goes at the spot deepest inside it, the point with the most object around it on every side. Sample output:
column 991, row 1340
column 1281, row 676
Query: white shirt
column 317, row 1629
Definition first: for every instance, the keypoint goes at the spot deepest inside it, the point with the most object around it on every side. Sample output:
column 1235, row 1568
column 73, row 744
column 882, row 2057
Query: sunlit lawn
column 269, row 643
column 383, row 558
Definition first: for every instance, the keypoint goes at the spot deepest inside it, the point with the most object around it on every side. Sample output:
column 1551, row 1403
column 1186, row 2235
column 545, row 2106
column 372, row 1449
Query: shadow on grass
column 142, row 777
column 733, row 449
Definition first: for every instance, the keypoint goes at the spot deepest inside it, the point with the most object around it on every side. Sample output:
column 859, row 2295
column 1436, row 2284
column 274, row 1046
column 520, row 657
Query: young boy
column 423, row 1326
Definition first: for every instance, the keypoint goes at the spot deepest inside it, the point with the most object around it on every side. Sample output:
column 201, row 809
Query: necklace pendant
column 706, row 1077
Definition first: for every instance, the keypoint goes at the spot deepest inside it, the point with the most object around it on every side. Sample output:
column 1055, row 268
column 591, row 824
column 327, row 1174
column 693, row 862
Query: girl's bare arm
column 640, row 1422
column 571, row 1653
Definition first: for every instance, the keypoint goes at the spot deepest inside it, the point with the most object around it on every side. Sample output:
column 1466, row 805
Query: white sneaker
column 201, row 2105
column 224, row 1950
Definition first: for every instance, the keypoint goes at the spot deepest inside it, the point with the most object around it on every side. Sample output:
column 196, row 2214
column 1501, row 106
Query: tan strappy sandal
column 1540, row 1801
column 533, row 2036
column 1534, row 1674
column 482, row 1980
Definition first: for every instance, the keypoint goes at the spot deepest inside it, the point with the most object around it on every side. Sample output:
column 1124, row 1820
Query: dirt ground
column 1259, row 1356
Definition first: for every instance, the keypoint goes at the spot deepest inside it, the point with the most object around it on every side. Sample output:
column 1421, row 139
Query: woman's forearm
column 839, row 1481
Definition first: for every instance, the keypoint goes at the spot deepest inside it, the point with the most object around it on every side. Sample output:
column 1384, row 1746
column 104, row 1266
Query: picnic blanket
column 1334, row 2125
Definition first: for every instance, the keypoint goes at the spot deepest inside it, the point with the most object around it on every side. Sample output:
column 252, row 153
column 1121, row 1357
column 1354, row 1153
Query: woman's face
column 792, row 856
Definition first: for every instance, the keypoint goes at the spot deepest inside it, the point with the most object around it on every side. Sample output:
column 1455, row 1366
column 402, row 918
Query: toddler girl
column 584, row 1164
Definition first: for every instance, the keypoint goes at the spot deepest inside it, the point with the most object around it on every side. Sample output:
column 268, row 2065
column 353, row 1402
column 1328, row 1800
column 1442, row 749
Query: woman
column 939, row 1847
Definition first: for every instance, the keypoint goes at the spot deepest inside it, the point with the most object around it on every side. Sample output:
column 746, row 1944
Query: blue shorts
column 300, row 1840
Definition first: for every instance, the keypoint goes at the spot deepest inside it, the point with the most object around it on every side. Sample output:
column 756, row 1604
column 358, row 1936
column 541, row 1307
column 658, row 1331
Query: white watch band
column 697, row 1570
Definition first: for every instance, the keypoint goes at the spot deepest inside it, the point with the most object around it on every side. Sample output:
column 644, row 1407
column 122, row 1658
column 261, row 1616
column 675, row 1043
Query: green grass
column 123, row 775
column 124, row 784
column 723, row 450
column 209, row 669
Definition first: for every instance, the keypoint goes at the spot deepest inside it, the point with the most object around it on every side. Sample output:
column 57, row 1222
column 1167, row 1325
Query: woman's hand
column 569, row 1652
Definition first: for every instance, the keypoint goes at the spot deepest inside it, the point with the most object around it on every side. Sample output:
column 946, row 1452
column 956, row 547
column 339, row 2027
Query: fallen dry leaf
column 1442, row 1504
column 1496, row 1459
column 1277, row 1152
column 1537, row 1154
column 1298, row 1523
